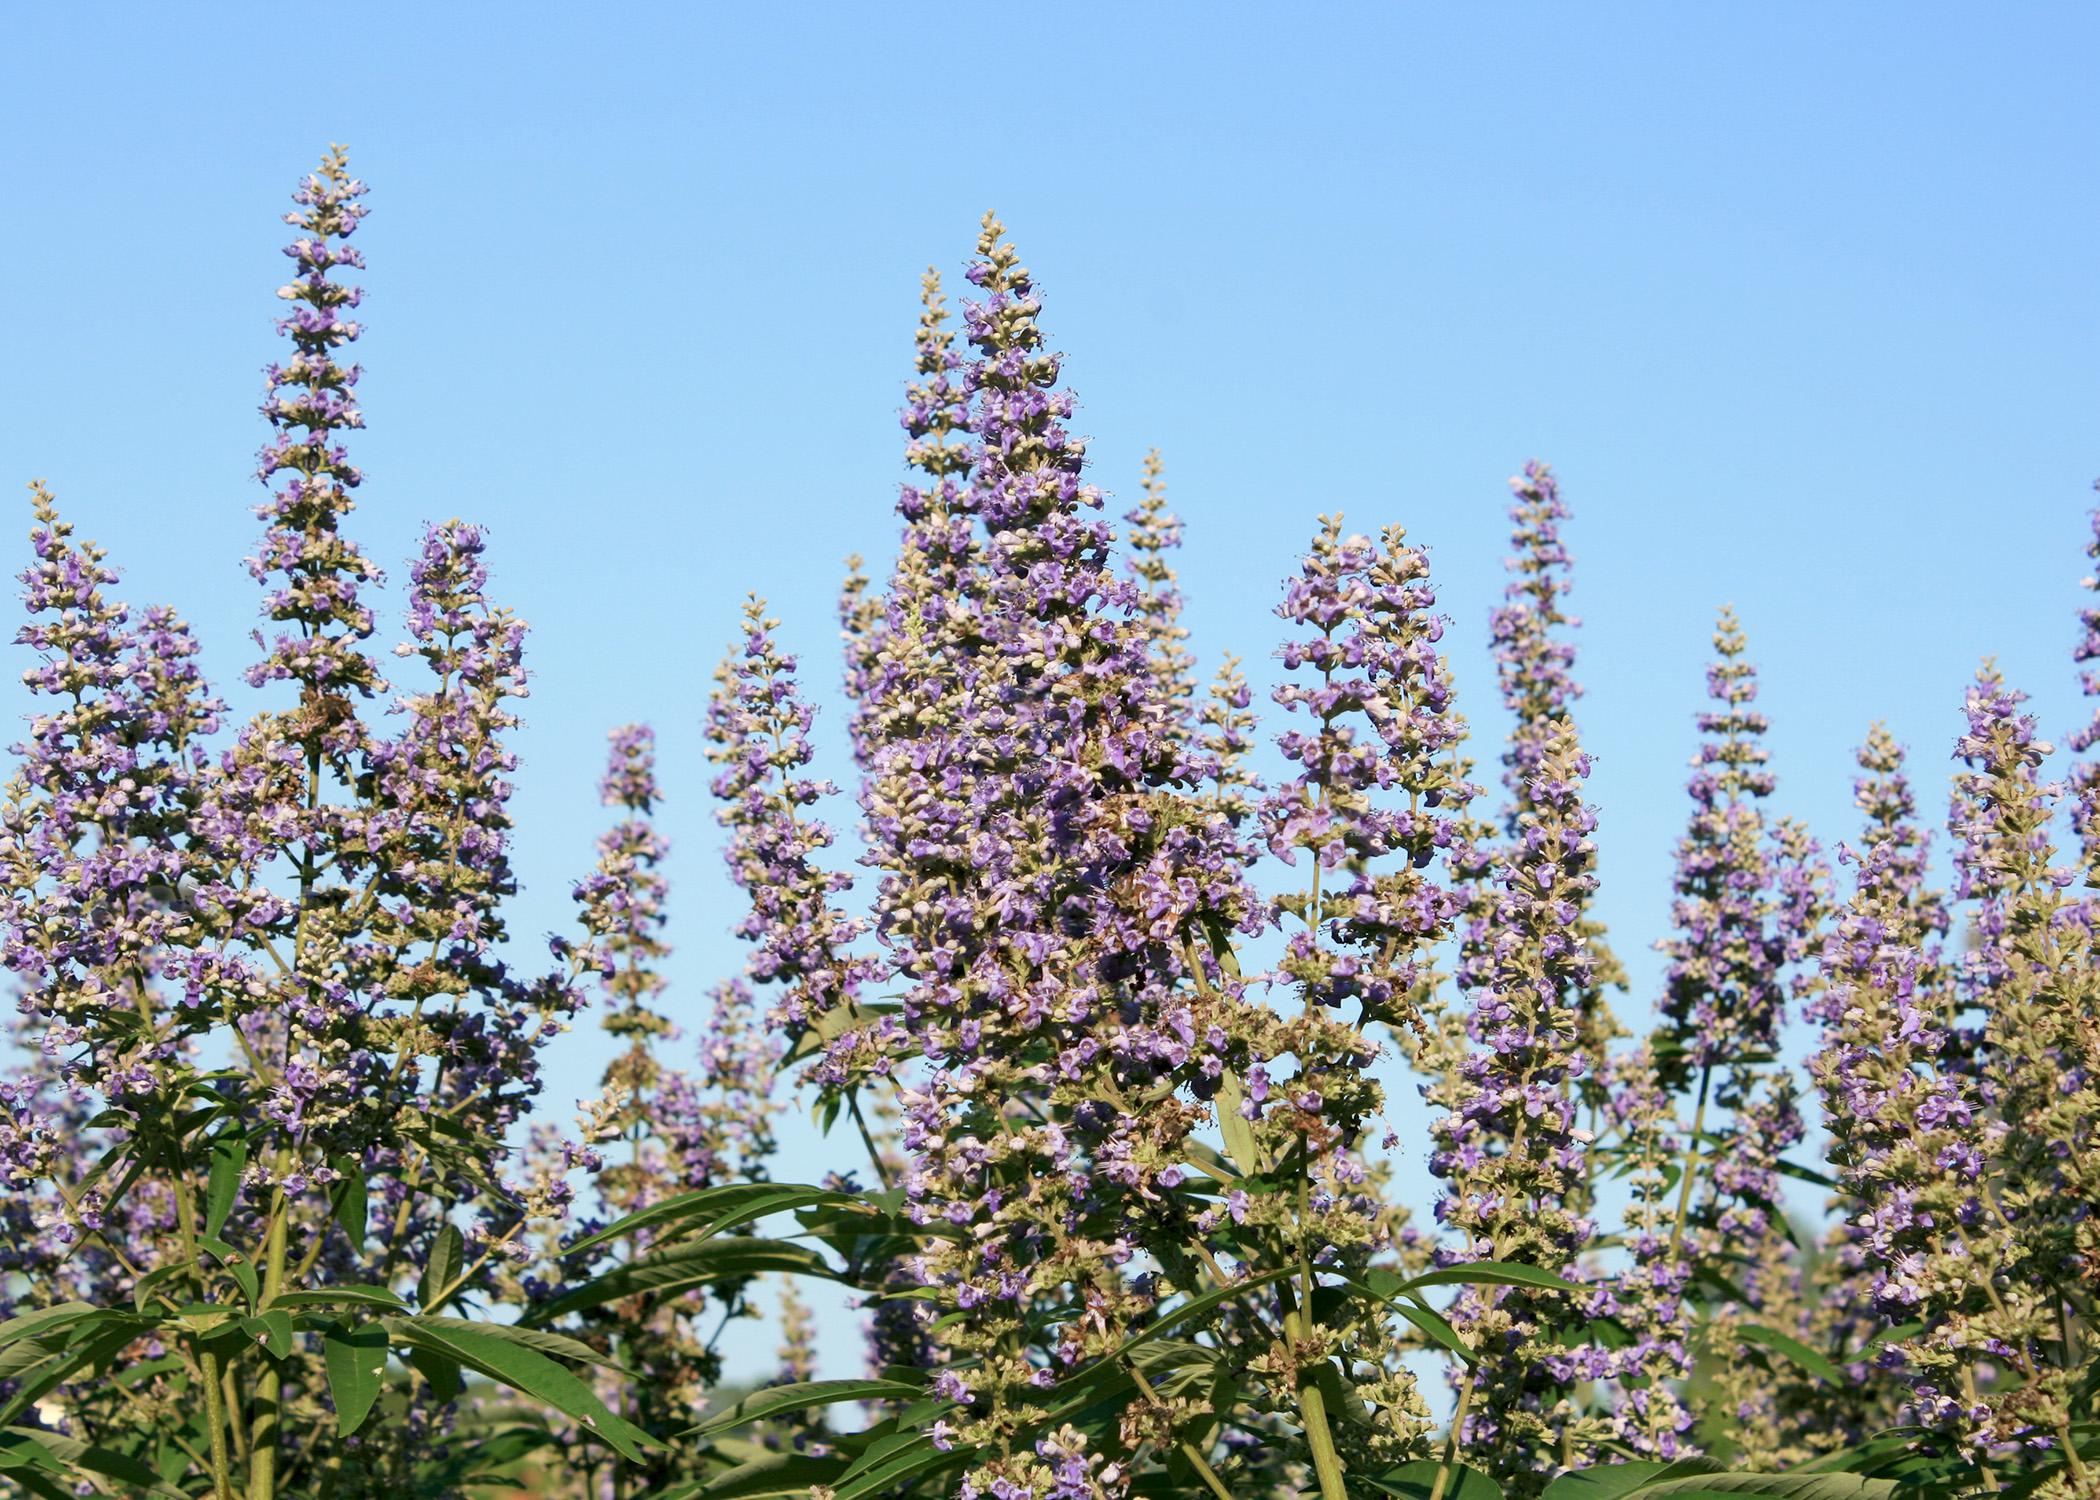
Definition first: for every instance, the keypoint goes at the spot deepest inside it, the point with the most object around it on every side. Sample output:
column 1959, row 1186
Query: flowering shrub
column 1107, row 1014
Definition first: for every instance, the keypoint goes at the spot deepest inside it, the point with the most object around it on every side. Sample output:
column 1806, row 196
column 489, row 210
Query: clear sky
column 1798, row 299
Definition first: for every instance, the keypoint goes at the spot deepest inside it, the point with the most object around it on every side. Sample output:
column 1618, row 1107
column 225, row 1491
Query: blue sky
column 1798, row 300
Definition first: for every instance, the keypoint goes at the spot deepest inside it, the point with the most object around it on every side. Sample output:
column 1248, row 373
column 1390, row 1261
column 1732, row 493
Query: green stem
column 1312, row 1401
column 269, row 1385
column 1691, row 1159
column 1327, row 1463
column 215, row 1420
column 867, row 1138
column 1447, row 1464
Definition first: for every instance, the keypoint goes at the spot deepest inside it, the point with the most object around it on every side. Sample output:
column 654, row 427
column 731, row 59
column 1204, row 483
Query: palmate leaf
column 45, row 1321
column 93, row 1347
column 561, row 1346
column 522, row 1368
column 800, row 1397
column 710, row 1211
column 680, row 1269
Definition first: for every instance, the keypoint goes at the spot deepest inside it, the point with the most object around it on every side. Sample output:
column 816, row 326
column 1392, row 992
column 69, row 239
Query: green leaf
column 1789, row 1486
column 440, row 1373
column 229, row 1157
column 776, row 1474
column 559, row 1345
column 1492, row 1273
column 45, row 1320
column 905, row 1466
column 779, row 1398
column 25, row 1450
column 1195, row 1307
column 356, row 1369
column 1816, row 1364
column 1887, row 1336
column 682, row 1268
column 710, row 1211
column 236, row 1264
column 1417, row 1481
column 1427, row 1319
column 37, row 1380
column 1806, row 1174
column 447, row 1255
column 272, row 1330
column 894, row 1438
column 524, row 1369
column 1609, row 1481
column 1708, row 1274
column 1234, row 1126
column 338, row 1296
column 148, row 1286
column 347, row 1199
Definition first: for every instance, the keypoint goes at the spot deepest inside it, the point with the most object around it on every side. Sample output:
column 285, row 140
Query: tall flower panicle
column 623, row 911
column 758, row 734
column 96, row 877
column 1155, row 532
column 1724, row 994
column 1384, row 721
column 1883, row 1076
column 1751, row 898
column 276, row 1031
column 1909, row 1137
column 453, row 871
column 1534, row 664
column 1530, row 636
column 1995, row 1362
column 659, row 1130
column 313, row 571
column 1508, row 1148
column 1650, row 1297
column 1226, row 730
column 1375, row 807
column 1052, row 881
